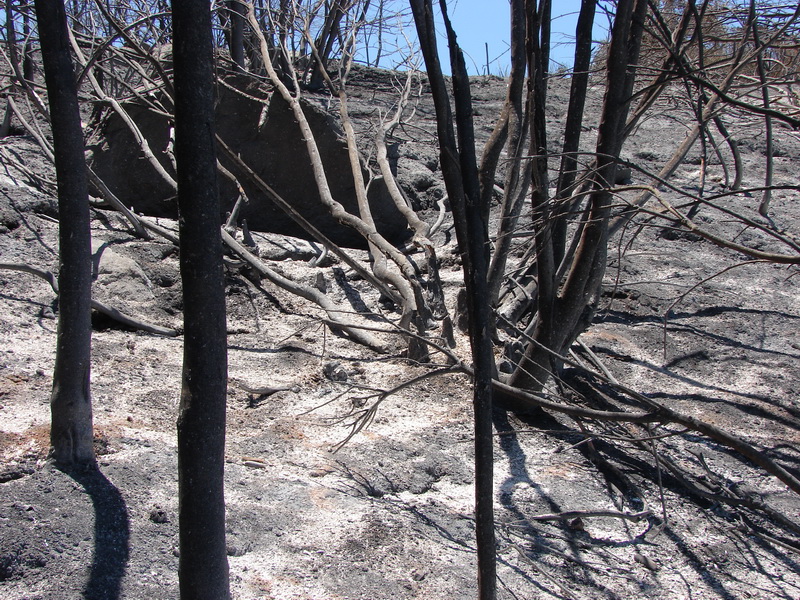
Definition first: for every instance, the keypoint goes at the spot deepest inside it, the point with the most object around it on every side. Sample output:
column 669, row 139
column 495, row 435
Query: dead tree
column 460, row 169
column 71, row 435
column 544, row 290
column 328, row 36
column 232, row 17
column 567, row 292
column 555, row 287
column 203, row 567
column 392, row 267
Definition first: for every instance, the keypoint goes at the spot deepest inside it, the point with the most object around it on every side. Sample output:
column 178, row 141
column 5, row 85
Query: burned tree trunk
column 565, row 306
column 460, row 170
column 203, row 568
column 234, row 32
column 70, row 404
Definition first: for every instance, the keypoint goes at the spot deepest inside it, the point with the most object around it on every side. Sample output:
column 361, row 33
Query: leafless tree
column 562, row 270
column 203, row 568
column 460, row 169
column 534, row 282
column 402, row 279
column 71, row 432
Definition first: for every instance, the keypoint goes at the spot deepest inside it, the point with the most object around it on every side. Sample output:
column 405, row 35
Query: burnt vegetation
column 545, row 211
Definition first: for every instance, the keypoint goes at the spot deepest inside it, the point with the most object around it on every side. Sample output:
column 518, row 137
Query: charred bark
column 203, row 567
column 460, row 170
column 234, row 30
column 571, row 302
column 70, row 404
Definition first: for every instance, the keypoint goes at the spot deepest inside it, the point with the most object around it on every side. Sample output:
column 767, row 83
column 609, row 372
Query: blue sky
column 478, row 23
column 481, row 22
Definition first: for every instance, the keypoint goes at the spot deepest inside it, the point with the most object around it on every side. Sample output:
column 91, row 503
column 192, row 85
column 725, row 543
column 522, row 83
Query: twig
column 596, row 360
column 565, row 591
column 440, row 204
column 262, row 391
column 368, row 415
column 680, row 298
column 657, row 460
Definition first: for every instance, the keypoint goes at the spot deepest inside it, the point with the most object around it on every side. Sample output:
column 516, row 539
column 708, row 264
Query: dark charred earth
column 389, row 515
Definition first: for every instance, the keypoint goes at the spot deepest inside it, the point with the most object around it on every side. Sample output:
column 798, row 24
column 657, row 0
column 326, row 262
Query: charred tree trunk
column 557, row 327
column 70, row 404
column 235, row 31
column 23, row 68
column 572, row 128
column 326, row 41
column 203, row 568
column 761, row 70
column 511, row 127
column 538, row 18
column 27, row 50
column 460, row 170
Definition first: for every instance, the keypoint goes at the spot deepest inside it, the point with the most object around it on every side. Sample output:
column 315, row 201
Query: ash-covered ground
column 389, row 516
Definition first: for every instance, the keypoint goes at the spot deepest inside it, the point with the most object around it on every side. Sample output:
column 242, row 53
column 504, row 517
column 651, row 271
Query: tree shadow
column 699, row 564
column 676, row 323
column 530, row 539
column 749, row 409
column 667, row 372
column 111, row 535
column 353, row 296
column 32, row 229
column 518, row 468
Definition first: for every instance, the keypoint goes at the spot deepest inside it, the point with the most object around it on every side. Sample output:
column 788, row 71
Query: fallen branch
column 263, row 391
column 353, row 330
column 162, row 231
column 100, row 307
column 117, row 204
column 120, row 317
column 37, row 179
column 657, row 412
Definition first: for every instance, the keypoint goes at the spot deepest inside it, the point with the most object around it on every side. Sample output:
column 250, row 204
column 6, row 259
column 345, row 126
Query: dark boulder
column 260, row 126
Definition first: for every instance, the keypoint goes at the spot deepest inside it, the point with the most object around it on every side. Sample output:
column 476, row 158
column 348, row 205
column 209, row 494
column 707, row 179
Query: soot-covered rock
column 260, row 127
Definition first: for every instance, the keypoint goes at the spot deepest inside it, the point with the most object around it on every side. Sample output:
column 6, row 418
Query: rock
column 159, row 515
column 623, row 175
column 119, row 276
column 236, row 550
column 421, row 180
column 335, row 371
column 20, row 200
column 260, row 127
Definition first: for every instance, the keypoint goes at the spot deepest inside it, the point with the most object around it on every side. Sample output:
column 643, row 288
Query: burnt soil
column 389, row 515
